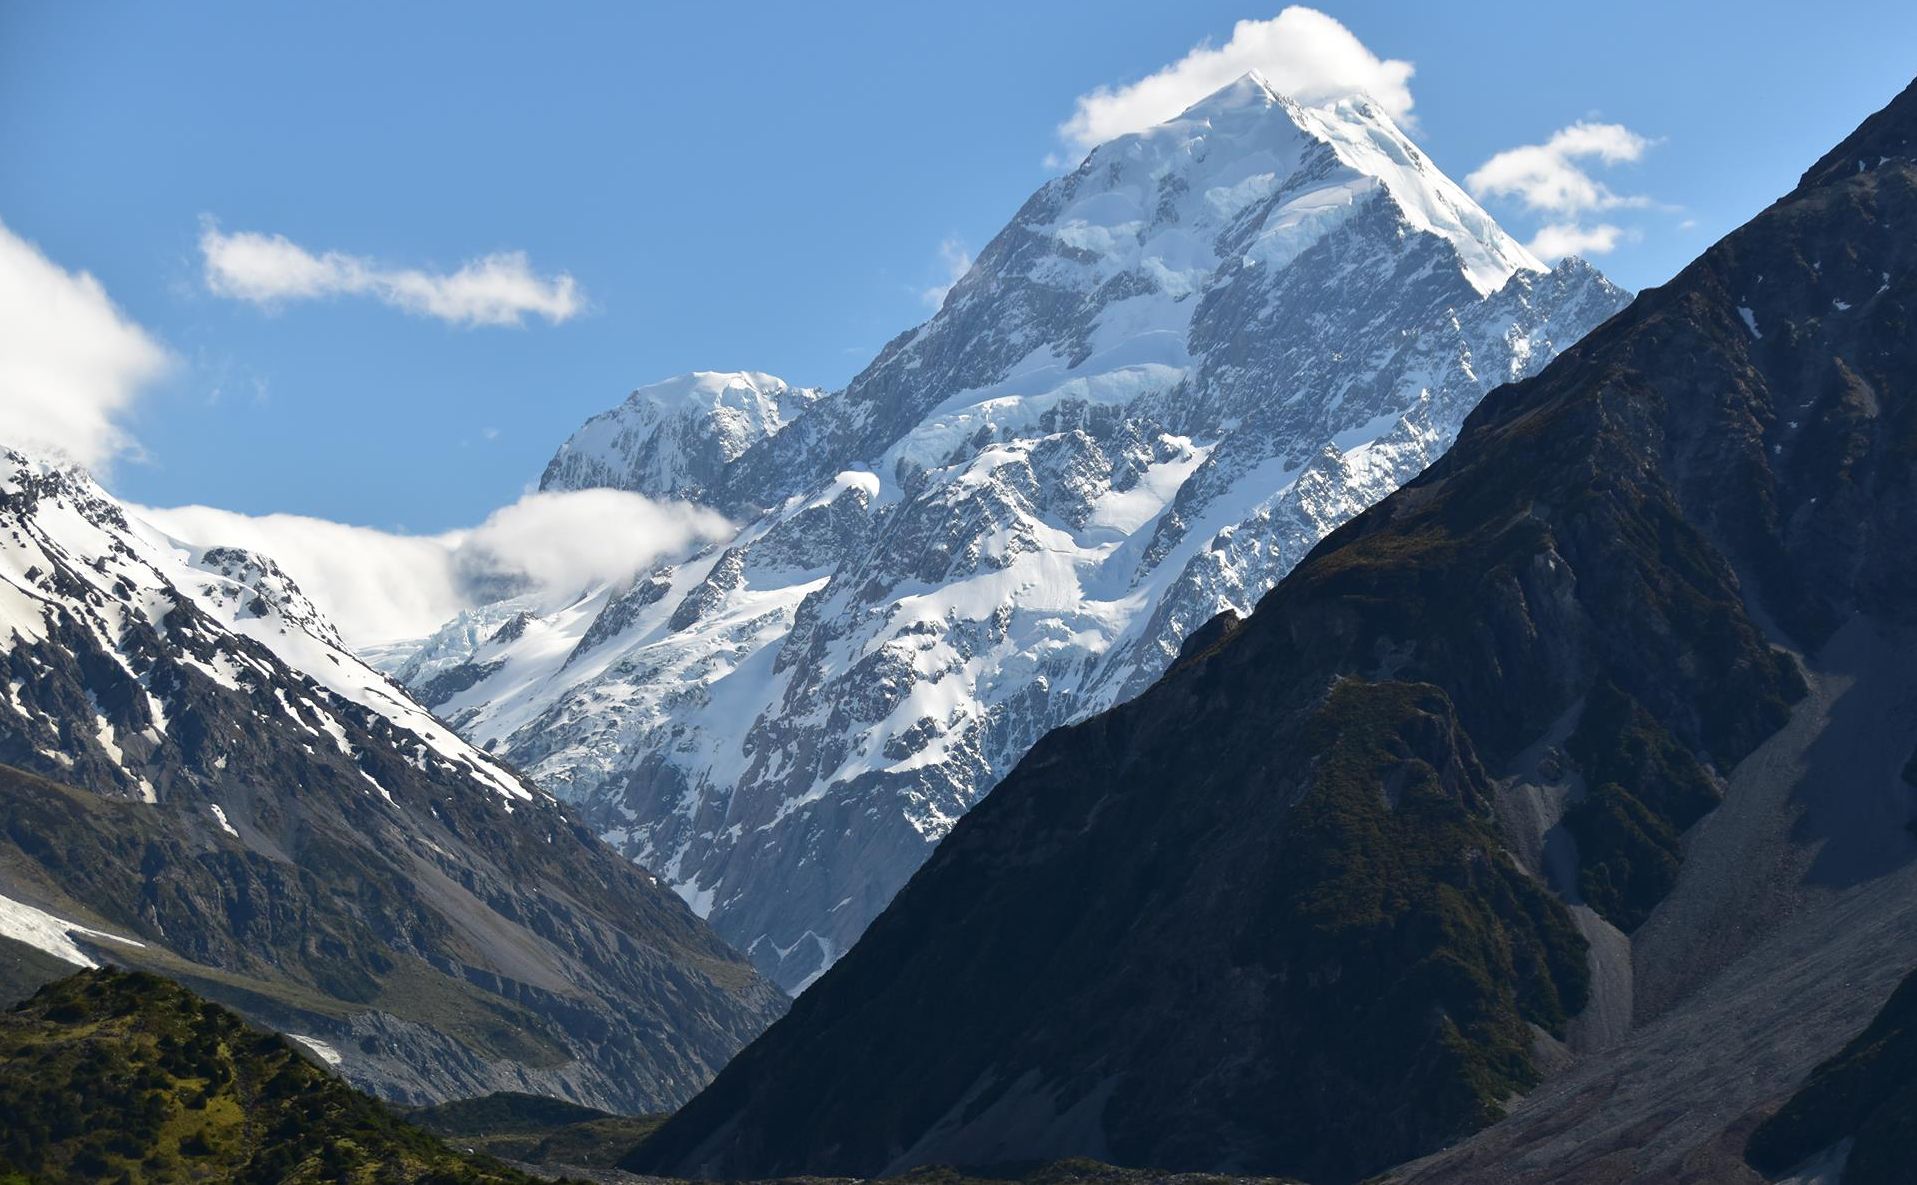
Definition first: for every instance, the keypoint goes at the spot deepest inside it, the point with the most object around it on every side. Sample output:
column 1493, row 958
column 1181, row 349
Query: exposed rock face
column 226, row 795
column 1426, row 827
column 1172, row 373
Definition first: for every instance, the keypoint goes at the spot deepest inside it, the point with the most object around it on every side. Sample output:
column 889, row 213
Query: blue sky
column 767, row 186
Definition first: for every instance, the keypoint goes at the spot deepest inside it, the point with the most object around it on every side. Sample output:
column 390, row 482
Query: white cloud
column 1301, row 51
column 498, row 289
column 565, row 542
column 1546, row 176
column 1548, row 179
column 71, row 364
column 955, row 260
column 375, row 585
column 380, row 586
column 1558, row 239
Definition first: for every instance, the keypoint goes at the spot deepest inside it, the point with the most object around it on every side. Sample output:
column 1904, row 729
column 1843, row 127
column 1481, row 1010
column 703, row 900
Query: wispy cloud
column 1301, row 51
column 381, row 586
column 1558, row 239
column 954, row 262
column 71, row 363
column 1553, row 179
column 271, row 270
column 1547, row 176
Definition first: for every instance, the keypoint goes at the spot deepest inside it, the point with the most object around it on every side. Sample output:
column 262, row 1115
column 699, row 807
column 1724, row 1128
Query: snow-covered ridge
column 73, row 557
column 1171, row 374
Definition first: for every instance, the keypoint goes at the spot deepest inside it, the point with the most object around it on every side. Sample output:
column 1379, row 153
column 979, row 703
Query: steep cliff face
column 1173, row 372
column 200, row 780
column 1426, row 826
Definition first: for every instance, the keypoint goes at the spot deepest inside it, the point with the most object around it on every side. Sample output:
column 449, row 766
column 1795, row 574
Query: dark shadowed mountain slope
column 1425, row 829
column 1862, row 1103
column 199, row 780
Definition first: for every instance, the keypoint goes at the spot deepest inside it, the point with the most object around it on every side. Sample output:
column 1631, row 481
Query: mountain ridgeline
column 1578, row 761
column 1162, row 382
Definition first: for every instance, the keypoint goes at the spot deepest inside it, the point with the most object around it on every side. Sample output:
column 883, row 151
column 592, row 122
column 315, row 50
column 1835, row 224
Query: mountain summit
column 1168, row 377
column 674, row 439
column 1250, row 116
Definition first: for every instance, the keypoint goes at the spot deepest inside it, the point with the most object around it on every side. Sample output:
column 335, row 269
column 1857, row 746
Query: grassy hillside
column 117, row 1076
column 536, row 1130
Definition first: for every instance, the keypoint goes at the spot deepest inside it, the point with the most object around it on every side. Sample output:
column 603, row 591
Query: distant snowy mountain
column 1176, row 370
column 674, row 439
column 197, row 778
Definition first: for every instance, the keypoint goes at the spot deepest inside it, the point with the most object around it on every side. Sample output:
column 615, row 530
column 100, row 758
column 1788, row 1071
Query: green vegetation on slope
column 1868, row 1092
column 127, row 1077
column 1393, row 885
column 537, row 1130
column 1643, row 791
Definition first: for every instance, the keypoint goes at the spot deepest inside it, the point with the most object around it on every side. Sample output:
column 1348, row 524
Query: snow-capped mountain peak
column 1250, row 115
column 1174, row 371
column 675, row 438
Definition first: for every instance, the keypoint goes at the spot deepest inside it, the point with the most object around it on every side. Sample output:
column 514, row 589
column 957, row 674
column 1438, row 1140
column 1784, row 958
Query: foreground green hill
column 117, row 1076
column 536, row 1130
